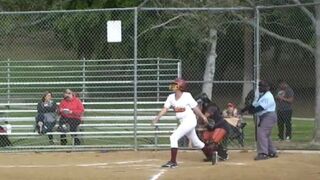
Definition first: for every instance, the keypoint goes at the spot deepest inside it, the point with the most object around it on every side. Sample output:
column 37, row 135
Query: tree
column 81, row 32
column 201, row 27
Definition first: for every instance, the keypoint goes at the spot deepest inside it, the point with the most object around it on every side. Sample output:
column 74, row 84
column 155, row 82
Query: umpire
column 264, row 108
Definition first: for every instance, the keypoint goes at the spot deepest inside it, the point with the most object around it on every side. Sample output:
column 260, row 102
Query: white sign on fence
column 114, row 31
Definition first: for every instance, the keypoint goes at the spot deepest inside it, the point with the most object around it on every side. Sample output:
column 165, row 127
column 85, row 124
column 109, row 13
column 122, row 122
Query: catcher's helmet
column 178, row 83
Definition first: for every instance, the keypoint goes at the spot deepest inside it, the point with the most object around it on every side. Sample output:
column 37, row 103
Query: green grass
column 302, row 132
column 302, row 135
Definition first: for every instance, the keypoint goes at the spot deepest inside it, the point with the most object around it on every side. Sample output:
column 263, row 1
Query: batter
column 186, row 110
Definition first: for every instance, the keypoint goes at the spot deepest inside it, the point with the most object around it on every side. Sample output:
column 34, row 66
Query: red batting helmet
column 178, row 83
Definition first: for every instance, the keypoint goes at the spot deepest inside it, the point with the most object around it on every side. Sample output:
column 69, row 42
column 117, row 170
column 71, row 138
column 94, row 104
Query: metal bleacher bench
column 119, row 124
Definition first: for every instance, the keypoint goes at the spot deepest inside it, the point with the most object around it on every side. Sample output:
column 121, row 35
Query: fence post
column 179, row 69
column 8, row 86
column 135, row 77
column 256, row 62
column 257, row 49
column 158, row 79
column 156, row 137
column 83, row 79
column 8, row 81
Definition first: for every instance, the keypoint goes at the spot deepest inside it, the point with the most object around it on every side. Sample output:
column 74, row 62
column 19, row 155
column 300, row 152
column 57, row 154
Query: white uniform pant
column 186, row 128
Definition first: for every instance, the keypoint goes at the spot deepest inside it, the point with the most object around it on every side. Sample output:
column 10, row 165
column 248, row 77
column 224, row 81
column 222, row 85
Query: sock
column 213, row 147
column 174, row 152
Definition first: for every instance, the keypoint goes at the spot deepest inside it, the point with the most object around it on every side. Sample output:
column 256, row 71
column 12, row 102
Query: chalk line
column 156, row 176
column 126, row 163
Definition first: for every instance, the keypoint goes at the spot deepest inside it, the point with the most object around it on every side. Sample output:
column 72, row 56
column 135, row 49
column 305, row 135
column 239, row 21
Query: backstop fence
column 223, row 52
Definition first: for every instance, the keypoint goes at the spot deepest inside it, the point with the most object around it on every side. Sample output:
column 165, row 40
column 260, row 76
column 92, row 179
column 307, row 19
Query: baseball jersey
column 267, row 102
column 183, row 106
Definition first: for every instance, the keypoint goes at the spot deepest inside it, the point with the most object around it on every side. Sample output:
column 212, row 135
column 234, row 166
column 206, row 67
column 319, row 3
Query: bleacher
column 119, row 124
column 115, row 117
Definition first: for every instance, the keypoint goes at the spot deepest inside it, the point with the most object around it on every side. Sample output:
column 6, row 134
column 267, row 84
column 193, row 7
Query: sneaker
column 224, row 158
column 214, row 158
column 170, row 164
column 288, row 138
column 207, row 160
column 261, row 156
column 223, row 155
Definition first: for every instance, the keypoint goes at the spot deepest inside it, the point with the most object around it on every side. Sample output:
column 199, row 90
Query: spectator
column 4, row 140
column 264, row 108
column 232, row 116
column 71, row 110
column 231, row 111
column 8, row 127
column 76, row 94
column 47, row 115
column 284, row 99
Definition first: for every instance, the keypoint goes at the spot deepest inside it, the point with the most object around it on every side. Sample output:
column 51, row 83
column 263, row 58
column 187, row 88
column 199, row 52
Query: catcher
column 216, row 131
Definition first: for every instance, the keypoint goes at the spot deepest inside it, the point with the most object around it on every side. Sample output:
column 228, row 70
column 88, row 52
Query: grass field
column 302, row 136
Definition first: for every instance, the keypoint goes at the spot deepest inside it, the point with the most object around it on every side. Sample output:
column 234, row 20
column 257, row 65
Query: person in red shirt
column 71, row 110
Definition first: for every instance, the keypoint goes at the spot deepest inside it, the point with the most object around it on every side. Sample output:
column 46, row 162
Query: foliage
column 41, row 5
column 80, row 31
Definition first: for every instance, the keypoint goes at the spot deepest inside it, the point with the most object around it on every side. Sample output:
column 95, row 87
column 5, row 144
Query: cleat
column 273, row 155
column 261, row 156
column 224, row 158
column 214, row 158
column 170, row 164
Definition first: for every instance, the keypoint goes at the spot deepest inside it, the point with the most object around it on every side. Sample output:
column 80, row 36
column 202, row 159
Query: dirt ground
column 146, row 165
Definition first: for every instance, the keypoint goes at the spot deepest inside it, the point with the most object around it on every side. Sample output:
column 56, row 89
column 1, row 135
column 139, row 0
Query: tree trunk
column 248, row 61
column 316, row 137
column 210, row 65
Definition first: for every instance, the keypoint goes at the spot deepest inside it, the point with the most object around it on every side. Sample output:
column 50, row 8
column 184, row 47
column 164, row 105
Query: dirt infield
column 146, row 165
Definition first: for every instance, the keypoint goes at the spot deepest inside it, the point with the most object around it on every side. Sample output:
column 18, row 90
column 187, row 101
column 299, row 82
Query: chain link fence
column 287, row 55
column 123, row 85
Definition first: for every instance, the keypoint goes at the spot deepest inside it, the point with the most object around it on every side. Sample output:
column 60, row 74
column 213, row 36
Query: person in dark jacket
column 284, row 99
column 47, row 115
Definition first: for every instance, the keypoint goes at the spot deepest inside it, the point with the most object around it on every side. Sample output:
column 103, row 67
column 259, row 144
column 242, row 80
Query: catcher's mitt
column 210, row 125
